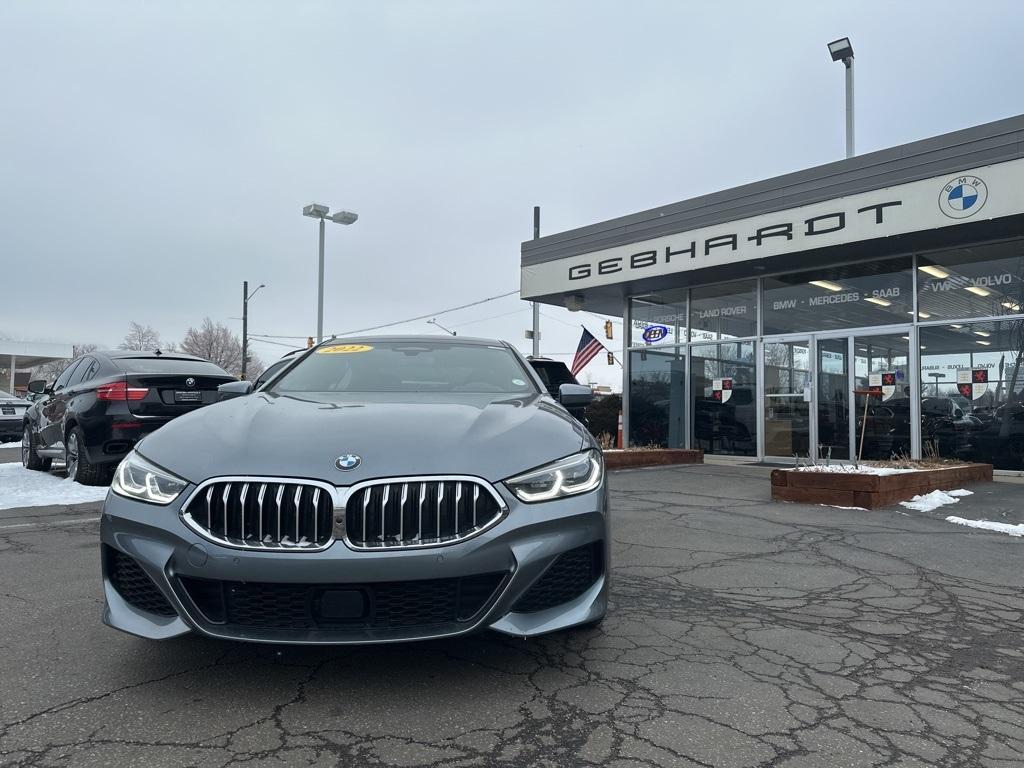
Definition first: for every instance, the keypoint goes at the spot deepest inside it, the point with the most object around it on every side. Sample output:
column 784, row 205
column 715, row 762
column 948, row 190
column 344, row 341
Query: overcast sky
column 154, row 155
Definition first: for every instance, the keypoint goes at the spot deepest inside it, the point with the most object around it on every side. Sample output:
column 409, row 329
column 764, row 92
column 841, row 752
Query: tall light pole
column 322, row 212
column 245, row 322
column 536, row 306
column 842, row 50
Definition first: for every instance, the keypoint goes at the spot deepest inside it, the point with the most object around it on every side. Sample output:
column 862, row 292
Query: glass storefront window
column 723, row 386
column 971, row 405
column 727, row 311
column 882, row 364
column 657, row 397
column 980, row 281
column 852, row 296
column 658, row 318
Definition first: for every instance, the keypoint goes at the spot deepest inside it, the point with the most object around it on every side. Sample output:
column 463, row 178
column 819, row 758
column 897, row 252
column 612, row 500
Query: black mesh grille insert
column 134, row 585
column 567, row 578
column 305, row 606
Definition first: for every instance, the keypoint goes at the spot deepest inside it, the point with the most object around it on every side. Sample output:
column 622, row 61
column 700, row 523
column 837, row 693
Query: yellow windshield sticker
column 343, row 349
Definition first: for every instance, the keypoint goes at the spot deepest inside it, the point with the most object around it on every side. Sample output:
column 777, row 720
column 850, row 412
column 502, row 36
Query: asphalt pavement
column 742, row 633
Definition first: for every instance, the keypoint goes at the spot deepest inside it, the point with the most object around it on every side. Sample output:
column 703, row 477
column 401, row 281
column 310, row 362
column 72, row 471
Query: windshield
column 392, row 366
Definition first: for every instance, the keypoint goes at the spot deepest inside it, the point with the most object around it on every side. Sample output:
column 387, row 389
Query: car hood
column 266, row 434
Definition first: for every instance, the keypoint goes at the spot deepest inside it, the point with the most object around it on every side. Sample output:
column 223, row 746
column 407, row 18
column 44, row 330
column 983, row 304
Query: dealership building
column 875, row 299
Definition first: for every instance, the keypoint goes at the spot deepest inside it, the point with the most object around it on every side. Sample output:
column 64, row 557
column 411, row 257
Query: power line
column 398, row 322
column 429, row 314
column 493, row 317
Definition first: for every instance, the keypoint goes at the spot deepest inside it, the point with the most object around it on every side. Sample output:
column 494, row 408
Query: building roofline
column 980, row 145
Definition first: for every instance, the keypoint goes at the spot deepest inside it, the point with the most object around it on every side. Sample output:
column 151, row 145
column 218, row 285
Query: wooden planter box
column 843, row 489
column 651, row 457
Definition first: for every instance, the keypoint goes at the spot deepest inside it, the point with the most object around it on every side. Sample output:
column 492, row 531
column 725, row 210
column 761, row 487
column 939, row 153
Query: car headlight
column 565, row 477
column 137, row 479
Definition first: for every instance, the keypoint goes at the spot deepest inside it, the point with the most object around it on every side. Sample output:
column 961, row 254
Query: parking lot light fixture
column 323, row 212
column 842, row 50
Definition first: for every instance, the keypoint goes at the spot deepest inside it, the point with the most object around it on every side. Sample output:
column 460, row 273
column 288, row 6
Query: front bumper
column 517, row 552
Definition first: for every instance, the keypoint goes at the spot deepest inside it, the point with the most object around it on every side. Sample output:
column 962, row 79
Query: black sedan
column 105, row 402
column 12, row 413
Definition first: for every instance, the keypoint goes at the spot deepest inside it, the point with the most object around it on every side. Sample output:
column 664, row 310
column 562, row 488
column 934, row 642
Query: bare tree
column 140, row 338
column 51, row 370
column 216, row 343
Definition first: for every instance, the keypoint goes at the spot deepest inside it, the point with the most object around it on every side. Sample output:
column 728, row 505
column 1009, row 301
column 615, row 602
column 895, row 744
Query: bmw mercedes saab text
column 376, row 490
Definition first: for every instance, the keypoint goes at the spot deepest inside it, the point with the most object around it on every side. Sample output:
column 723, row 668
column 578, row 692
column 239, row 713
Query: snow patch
column 849, row 469
column 16, row 444
column 932, row 501
column 20, row 487
column 989, row 525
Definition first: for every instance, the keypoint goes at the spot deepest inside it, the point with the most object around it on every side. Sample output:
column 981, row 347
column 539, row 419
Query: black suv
column 553, row 374
column 105, row 402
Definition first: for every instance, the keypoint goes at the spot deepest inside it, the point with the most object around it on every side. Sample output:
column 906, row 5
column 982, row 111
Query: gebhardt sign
column 981, row 193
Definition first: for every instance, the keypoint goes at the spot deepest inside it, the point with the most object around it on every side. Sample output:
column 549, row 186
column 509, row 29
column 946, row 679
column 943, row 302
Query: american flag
column 585, row 352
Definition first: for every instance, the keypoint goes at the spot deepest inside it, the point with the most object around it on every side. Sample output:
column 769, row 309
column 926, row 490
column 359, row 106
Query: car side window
column 269, row 373
column 83, row 372
column 62, row 380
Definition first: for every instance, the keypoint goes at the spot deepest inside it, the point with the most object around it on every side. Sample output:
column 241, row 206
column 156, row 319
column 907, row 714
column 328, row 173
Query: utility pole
column 245, row 322
column 536, row 306
column 245, row 325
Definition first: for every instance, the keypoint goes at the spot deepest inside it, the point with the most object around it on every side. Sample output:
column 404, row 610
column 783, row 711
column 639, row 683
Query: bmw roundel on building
column 385, row 489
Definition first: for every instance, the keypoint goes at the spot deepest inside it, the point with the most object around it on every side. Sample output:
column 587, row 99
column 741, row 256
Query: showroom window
column 882, row 364
column 979, row 281
column 851, row 296
column 658, row 318
column 723, row 388
column 971, row 380
column 726, row 311
column 657, row 399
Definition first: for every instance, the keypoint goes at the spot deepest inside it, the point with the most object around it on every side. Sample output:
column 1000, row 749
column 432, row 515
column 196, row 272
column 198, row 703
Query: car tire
column 79, row 468
column 29, row 458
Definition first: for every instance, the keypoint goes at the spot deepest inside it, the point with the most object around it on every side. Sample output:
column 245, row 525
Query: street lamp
column 245, row 322
column 322, row 212
column 842, row 50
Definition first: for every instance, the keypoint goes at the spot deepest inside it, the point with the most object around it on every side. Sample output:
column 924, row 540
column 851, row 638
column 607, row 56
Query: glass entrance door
column 787, row 398
column 833, row 395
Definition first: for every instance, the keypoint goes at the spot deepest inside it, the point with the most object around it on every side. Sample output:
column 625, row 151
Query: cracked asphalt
column 742, row 633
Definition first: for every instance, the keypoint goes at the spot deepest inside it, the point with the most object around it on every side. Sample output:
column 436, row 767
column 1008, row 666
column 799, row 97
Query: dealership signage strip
column 983, row 193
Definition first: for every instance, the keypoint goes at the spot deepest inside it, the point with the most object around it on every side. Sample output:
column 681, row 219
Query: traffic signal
column 608, row 329
column 611, row 359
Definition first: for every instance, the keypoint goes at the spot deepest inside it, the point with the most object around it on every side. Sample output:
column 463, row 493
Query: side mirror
column 38, row 386
column 233, row 389
column 575, row 395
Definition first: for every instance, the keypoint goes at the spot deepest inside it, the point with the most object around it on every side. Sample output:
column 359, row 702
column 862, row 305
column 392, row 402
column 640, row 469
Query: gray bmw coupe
column 376, row 490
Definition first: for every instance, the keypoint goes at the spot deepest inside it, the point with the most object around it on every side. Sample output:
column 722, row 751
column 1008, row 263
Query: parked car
column 12, row 416
column 553, row 374
column 380, row 489
column 105, row 402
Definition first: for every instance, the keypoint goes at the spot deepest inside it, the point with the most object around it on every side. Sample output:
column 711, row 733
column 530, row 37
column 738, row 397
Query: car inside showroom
column 868, row 308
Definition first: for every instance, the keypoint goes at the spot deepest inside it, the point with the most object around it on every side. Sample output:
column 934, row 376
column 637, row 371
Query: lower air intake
column 567, row 578
column 134, row 585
